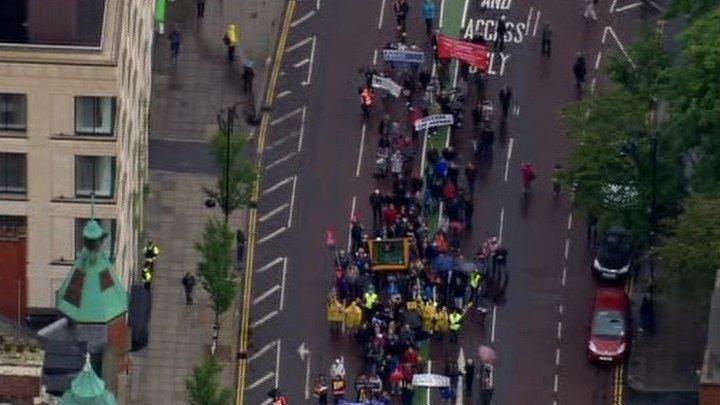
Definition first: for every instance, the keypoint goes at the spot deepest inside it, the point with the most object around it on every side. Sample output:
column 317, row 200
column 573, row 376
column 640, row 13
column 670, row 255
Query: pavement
column 186, row 99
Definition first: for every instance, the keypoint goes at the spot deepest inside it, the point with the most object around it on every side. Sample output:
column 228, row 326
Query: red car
column 609, row 334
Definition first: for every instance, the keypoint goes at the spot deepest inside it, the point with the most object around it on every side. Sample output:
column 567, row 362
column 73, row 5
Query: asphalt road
column 315, row 168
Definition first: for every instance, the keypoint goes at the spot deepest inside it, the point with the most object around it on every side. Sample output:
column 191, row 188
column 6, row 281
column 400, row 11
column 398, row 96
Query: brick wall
column 17, row 388
column 709, row 394
column 12, row 270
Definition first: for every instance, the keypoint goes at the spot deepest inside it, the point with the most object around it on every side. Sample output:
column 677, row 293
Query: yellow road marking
column 252, row 216
column 618, row 386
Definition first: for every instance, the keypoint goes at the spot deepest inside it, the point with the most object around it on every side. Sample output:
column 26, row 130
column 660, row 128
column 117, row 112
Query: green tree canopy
column 242, row 172
column 215, row 269
column 203, row 387
column 690, row 8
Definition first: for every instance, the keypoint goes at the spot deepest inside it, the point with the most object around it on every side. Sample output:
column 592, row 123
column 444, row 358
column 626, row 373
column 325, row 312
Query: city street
column 317, row 165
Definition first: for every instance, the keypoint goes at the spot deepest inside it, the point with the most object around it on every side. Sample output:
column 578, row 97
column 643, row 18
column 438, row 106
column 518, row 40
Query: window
column 95, row 175
column 13, row 112
column 108, row 225
column 94, row 115
column 13, row 175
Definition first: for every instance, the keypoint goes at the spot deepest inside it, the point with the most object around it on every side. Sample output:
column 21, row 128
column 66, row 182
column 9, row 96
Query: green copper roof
column 87, row 389
column 92, row 292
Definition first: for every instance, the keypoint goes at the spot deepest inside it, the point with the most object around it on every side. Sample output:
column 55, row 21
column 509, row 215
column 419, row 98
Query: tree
column 242, row 173
column 203, row 387
column 215, row 269
column 647, row 75
column 692, row 254
column 689, row 8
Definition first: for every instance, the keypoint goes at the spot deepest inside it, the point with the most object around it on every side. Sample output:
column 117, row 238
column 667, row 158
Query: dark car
column 614, row 253
column 608, row 342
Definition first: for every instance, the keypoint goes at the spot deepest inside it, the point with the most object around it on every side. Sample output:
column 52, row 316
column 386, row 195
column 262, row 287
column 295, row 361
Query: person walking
column 469, row 376
column 320, row 391
column 188, row 283
column 556, row 180
column 546, row 39
column 401, row 9
column 174, row 46
column 247, row 76
column 500, row 34
column 231, row 39
column 376, row 200
column 366, row 101
column 200, row 9
column 589, row 12
column 580, row 70
column 528, row 175
column 470, row 176
column 429, row 10
column 505, row 98
column 468, row 208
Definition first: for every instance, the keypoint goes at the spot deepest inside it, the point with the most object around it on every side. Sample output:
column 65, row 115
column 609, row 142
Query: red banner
column 472, row 54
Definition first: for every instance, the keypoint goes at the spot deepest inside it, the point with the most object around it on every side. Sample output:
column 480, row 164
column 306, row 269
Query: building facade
column 74, row 96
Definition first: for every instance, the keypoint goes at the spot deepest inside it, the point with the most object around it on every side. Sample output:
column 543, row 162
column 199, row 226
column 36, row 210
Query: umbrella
column 443, row 263
column 487, row 354
column 467, row 267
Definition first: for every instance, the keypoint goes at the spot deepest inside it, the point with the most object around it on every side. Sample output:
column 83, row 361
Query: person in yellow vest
column 353, row 315
column 147, row 278
column 370, row 300
column 428, row 315
column 231, row 39
column 455, row 318
column 476, row 279
column 335, row 312
column 442, row 322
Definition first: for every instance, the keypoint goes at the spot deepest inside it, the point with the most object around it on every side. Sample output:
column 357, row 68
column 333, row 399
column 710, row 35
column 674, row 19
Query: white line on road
column 270, row 265
column 286, row 116
column 559, row 330
column 298, row 45
column 567, row 248
column 560, row 309
column 282, row 287
column 557, row 356
column 598, row 58
column 382, row 14
column 360, row 153
column 307, row 379
column 312, row 59
column 375, row 55
column 629, row 7
column 272, row 235
column 494, row 321
column 440, row 25
column 609, row 30
column 302, row 19
column 281, row 141
column 260, row 380
column 507, row 160
column 302, row 63
column 263, row 319
column 352, row 214
column 263, row 350
column 282, row 94
column 593, row 83
column 273, row 213
column 529, row 20
column 537, row 22
column 266, row 294
column 570, row 218
column 279, row 161
column 302, row 128
column 429, row 370
column 278, row 185
column 564, row 276
column 277, row 364
column 502, row 225
column 317, row 5
column 292, row 202
column 464, row 15
column 556, row 383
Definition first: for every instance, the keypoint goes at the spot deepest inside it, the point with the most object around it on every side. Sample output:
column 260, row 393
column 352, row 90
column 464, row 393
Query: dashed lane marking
column 564, row 277
column 598, row 59
column 507, row 160
column 272, row 235
column 382, row 14
column 264, row 319
column 282, row 140
column 567, row 248
column 264, row 349
column 299, row 44
column 557, row 356
column 273, row 212
column 559, row 330
column 286, row 116
column 261, row 380
column 278, row 185
column 302, row 128
column 283, row 94
column 360, row 152
column 312, row 58
column 570, row 220
column 270, row 265
column 270, row 291
column 281, row 160
column 302, row 63
column 302, row 19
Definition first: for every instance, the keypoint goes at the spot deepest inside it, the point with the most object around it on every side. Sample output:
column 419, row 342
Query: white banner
column 430, row 380
column 386, row 83
column 432, row 121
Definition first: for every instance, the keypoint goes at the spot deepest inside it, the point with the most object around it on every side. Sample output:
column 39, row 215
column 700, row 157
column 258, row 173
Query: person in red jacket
column 528, row 175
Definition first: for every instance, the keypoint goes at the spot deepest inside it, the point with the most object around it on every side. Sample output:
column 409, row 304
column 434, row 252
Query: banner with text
column 386, row 83
column 403, row 55
column 432, row 121
column 473, row 54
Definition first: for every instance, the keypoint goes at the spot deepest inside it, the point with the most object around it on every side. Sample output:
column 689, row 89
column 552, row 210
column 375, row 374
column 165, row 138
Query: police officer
column 151, row 252
column 147, row 276
column 455, row 323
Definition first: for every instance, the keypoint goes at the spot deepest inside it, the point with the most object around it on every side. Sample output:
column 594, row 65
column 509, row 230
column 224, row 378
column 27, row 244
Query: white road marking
column 537, row 22
column 307, row 378
column 302, row 128
column 556, row 383
column 352, row 214
column 609, row 30
column 494, row 321
column 263, row 350
column 598, row 58
column 301, row 63
column 312, row 59
column 278, row 185
column 529, row 20
column 277, row 364
column 317, row 5
column 263, row 319
column 272, row 235
column 273, row 213
column 429, row 370
column 464, row 14
column 593, row 83
column 628, row 7
column 507, row 160
column 286, row 116
column 375, row 55
column 266, row 294
column 282, row 289
column 292, row 202
column 567, row 248
column 279, row 161
column 559, row 330
column 564, row 276
column 302, row 19
column 440, row 24
column 298, row 45
column 382, row 14
column 557, row 356
column 569, row 222
column 502, row 225
column 282, row 94
column 260, row 380
column 270, row 265
column 560, row 309
column 281, row 141
column 360, row 153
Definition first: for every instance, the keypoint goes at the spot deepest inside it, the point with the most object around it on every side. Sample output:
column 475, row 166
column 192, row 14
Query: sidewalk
column 185, row 102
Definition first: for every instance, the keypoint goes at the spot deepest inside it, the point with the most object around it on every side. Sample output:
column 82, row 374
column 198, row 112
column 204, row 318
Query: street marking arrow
column 303, row 351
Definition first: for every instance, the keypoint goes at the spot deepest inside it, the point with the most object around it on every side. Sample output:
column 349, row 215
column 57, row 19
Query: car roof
column 610, row 298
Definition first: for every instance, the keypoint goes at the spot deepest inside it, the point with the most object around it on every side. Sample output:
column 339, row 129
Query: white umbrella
column 487, row 354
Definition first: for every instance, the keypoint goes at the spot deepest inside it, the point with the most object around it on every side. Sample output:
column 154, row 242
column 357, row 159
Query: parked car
column 614, row 254
column 609, row 341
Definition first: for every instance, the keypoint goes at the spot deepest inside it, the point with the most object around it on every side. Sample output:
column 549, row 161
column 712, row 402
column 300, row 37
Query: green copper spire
column 92, row 292
column 88, row 389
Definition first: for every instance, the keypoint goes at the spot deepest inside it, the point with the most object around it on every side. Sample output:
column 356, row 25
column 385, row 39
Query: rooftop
column 77, row 23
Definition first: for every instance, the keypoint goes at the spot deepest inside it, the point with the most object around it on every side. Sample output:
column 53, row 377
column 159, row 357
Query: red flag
column 472, row 54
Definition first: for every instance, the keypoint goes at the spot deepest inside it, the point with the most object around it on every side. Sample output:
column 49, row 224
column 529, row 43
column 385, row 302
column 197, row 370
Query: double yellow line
column 252, row 214
column 618, row 381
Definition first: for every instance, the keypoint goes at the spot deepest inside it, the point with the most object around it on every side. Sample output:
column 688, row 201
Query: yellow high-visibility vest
column 455, row 319
column 232, row 34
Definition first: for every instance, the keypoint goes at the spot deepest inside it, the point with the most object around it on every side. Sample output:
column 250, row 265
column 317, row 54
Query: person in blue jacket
column 429, row 15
